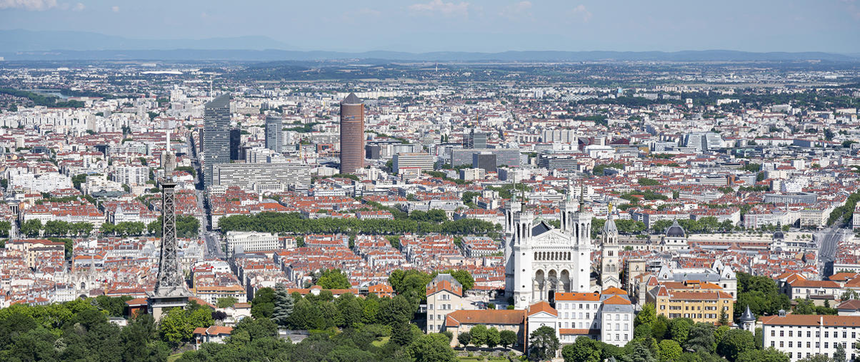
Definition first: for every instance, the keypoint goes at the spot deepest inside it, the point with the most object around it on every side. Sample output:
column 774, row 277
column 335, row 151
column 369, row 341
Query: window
column 781, row 344
column 791, row 334
column 772, row 333
column 430, row 307
column 782, row 334
column 790, row 344
column 772, row 344
column 825, row 344
column 826, row 335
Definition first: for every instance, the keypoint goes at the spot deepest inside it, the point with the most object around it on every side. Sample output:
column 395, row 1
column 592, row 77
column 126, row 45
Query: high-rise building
column 235, row 143
column 351, row 134
column 422, row 161
column 274, row 134
column 216, row 135
column 475, row 140
column 485, row 161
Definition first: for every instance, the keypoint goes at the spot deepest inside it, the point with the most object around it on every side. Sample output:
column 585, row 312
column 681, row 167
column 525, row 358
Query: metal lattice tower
column 170, row 282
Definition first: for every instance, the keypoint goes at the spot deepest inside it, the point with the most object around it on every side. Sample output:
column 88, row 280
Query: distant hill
column 60, row 45
column 26, row 41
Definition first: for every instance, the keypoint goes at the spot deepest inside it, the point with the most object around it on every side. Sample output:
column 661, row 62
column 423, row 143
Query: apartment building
column 248, row 241
column 802, row 336
column 606, row 316
column 706, row 306
column 444, row 295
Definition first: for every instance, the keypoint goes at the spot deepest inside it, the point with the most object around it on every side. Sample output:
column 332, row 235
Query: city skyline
column 477, row 25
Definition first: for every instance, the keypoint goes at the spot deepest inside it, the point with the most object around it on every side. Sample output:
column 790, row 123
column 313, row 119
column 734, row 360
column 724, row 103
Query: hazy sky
column 469, row 25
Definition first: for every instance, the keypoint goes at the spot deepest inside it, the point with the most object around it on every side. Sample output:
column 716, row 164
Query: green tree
column 493, row 337
column 402, row 335
column 432, row 348
column 464, row 338
column 507, row 338
column 543, row 344
column 31, row 228
column 333, row 279
column 735, row 342
column 679, row 329
column 669, row 350
column 263, row 304
column 370, row 312
column 640, row 353
column 306, row 315
column 584, row 349
column 350, row 309
column 396, row 310
column 701, row 338
column 282, row 306
column 226, row 302
column 660, row 327
column 479, row 335
column 839, row 355
column 199, row 316
column 644, row 181
column 174, row 327
column 646, row 316
column 763, row 355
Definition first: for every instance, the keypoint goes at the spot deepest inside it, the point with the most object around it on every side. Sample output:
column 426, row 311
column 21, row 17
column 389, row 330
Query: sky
column 468, row 25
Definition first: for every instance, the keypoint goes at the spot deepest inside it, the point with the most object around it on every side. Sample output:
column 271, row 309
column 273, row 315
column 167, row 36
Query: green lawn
column 381, row 342
column 174, row 357
column 494, row 359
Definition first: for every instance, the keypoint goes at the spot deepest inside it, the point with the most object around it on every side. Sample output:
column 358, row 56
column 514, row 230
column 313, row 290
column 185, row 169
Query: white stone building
column 251, row 241
column 802, row 336
column 541, row 260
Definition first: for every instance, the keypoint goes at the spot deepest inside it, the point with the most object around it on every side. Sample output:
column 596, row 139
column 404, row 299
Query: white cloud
column 581, row 12
column 519, row 10
column 367, row 12
column 115, row 9
column 32, row 5
column 438, row 6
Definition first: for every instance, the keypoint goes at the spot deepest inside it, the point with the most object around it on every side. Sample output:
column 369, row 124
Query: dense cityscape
column 369, row 210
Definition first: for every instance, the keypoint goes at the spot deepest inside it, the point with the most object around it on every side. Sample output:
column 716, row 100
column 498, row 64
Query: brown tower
column 351, row 134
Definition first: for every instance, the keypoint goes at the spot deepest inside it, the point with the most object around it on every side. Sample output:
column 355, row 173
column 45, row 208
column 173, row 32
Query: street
column 211, row 238
column 828, row 241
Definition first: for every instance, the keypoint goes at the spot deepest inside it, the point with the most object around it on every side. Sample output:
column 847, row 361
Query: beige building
column 444, row 296
column 33, row 247
column 703, row 305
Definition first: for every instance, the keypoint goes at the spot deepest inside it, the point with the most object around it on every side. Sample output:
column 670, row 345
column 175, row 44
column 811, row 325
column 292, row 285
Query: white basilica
column 541, row 260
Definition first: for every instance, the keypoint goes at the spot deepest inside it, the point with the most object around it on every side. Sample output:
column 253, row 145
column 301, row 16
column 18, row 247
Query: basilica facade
column 541, row 260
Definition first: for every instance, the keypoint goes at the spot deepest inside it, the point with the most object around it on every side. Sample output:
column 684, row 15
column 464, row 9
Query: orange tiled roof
column 586, row 297
column 542, row 306
column 616, row 300
column 487, row 316
column 811, row 320
column 613, row 290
